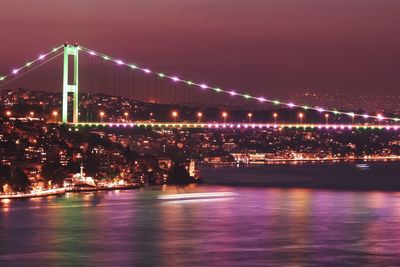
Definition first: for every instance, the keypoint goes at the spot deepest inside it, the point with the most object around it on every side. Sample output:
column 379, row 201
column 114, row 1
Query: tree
column 5, row 176
column 19, row 180
column 130, row 155
column 53, row 172
column 178, row 174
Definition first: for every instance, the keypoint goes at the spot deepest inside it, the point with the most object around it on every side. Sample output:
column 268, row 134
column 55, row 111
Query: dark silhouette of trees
column 53, row 172
column 178, row 174
column 19, row 181
column 15, row 178
column 5, row 176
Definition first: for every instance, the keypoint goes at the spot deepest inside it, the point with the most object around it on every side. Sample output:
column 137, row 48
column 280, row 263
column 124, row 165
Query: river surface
column 236, row 226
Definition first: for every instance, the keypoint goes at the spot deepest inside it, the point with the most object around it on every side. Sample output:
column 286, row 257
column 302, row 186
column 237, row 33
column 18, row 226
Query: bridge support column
column 70, row 50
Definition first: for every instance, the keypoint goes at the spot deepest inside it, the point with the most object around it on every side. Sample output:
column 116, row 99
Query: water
column 254, row 226
column 329, row 175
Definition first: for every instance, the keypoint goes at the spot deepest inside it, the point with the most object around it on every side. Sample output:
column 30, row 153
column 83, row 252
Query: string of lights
column 233, row 93
column 278, row 126
column 48, row 59
column 16, row 71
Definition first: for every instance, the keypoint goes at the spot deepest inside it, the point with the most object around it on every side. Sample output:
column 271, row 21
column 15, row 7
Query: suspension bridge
column 71, row 85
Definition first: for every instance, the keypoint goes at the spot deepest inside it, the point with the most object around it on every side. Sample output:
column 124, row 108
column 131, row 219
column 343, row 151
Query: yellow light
column 224, row 114
column 55, row 113
column 8, row 113
column 250, row 114
column 199, row 114
column 102, row 114
column 275, row 115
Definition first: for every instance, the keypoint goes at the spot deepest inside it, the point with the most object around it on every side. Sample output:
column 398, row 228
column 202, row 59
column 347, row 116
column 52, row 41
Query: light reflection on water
column 256, row 226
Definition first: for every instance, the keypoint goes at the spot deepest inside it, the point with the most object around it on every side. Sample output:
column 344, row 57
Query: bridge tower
column 70, row 50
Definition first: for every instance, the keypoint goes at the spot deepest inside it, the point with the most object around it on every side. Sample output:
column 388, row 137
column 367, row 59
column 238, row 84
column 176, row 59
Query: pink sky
column 273, row 46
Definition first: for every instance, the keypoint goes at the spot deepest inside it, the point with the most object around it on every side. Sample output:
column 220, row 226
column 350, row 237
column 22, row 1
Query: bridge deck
column 236, row 125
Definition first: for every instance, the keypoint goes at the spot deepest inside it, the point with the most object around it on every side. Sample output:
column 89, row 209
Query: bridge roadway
column 214, row 125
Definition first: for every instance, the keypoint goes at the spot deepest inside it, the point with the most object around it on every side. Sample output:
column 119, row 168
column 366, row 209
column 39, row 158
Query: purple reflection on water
column 253, row 226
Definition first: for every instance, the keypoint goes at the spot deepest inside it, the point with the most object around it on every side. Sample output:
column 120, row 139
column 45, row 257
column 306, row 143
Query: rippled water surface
column 249, row 226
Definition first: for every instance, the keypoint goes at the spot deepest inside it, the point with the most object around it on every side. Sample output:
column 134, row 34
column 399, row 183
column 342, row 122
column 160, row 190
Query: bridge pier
column 70, row 50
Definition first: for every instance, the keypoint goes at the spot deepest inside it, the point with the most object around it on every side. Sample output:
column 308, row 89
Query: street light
column 31, row 114
column 199, row 115
column 224, row 116
column 174, row 115
column 8, row 113
column 275, row 115
column 250, row 115
column 55, row 114
column 126, row 114
column 326, row 118
column 102, row 114
column 301, row 115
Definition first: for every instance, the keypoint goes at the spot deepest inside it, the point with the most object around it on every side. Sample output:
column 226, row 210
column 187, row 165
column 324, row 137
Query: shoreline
column 297, row 161
column 63, row 191
column 295, row 183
